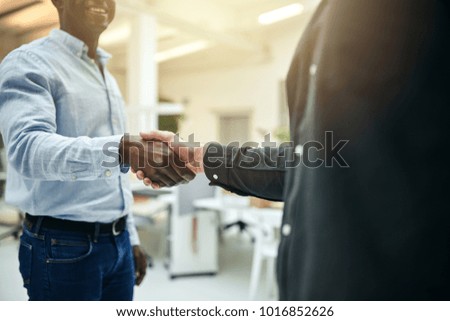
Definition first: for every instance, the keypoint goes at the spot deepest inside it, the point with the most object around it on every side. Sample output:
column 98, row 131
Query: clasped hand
column 151, row 158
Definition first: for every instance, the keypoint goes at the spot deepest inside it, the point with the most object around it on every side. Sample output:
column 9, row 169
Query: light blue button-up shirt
column 58, row 115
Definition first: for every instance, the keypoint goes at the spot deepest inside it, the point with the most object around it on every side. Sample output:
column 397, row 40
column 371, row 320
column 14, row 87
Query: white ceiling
column 230, row 27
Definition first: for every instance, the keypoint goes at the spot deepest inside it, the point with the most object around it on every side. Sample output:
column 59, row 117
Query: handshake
column 160, row 158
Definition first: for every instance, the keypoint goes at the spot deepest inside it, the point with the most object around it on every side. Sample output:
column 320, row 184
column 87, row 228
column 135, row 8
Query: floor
column 231, row 283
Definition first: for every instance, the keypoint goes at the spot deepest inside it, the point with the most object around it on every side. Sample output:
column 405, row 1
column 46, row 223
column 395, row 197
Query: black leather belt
column 114, row 228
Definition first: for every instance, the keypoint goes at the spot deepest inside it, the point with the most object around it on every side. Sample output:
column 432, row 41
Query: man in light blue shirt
column 60, row 109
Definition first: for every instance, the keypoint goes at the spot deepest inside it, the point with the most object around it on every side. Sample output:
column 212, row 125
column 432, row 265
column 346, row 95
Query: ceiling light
column 166, row 33
column 182, row 50
column 279, row 14
column 121, row 33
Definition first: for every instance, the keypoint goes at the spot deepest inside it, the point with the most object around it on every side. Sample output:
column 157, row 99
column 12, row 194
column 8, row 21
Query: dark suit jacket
column 370, row 83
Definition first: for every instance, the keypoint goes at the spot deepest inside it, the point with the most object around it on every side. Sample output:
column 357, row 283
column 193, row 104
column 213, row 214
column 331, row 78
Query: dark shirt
column 367, row 217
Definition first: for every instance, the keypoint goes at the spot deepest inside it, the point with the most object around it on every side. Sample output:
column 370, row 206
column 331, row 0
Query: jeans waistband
column 38, row 222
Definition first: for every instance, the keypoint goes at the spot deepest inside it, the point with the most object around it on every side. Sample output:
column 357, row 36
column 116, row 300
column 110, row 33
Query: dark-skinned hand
column 140, row 264
column 156, row 160
column 192, row 156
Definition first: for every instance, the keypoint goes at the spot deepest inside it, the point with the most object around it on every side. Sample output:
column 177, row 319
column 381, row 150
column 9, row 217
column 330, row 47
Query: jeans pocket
column 69, row 251
column 25, row 259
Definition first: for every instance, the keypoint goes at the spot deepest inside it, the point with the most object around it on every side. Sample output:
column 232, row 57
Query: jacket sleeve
column 247, row 171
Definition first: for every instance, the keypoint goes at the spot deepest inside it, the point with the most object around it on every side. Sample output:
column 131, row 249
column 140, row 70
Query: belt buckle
column 114, row 231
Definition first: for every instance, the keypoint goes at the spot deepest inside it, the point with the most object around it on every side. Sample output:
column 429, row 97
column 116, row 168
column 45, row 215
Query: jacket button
column 74, row 178
column 108, row 173
column 215, row 176
column 286, row 230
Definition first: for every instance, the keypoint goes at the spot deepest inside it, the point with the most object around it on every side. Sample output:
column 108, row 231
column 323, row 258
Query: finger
column 139, row 279
column 165, row 173
column 142, row 271
column 171, row 172
column 164, row 136
column 155, row 183
column 185, row 153
column 147, row 182
column 183, row 167
column 195, row 167
column 143, row 268
column 183, row 170
column 177, row 170
column 163, row 180
column 140, row 175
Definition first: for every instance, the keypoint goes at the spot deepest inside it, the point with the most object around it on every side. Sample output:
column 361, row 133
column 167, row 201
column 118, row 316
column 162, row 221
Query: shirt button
column 286, row 230
column 74, row 177
column 313, row 69
column 215, row 176
column 299, row 150
column 108, row 173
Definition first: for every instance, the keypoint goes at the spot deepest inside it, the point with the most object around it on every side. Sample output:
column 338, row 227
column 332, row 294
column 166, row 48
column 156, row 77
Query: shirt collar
column 76, row 46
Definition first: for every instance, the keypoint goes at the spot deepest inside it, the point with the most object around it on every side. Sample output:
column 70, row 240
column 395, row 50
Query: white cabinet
column 193, row 235
column 193, row 241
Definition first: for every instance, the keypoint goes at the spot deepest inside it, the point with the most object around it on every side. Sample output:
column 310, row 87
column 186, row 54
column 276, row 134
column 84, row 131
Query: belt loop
column 38, row 224
column 96, row 232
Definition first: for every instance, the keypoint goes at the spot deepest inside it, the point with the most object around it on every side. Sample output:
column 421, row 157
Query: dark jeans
column 60, row 265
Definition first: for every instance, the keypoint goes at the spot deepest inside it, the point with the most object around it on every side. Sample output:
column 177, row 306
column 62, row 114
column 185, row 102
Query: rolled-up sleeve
column 28, row 123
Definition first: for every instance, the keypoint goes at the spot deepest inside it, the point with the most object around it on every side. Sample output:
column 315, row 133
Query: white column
column 142, row 73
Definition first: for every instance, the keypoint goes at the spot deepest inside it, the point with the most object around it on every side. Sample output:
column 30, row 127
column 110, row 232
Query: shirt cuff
column 108, row 162
column 218, row 164
column 215, row 164
column 124, row 168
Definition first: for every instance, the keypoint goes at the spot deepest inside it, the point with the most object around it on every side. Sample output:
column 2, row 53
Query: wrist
column 126, row 146
column 122, row 153
column 121, row 160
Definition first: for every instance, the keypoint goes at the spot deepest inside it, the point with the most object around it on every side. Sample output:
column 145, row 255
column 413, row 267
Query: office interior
column 214, row 69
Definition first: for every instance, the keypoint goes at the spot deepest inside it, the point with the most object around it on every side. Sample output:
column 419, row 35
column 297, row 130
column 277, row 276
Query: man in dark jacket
column 365, row 183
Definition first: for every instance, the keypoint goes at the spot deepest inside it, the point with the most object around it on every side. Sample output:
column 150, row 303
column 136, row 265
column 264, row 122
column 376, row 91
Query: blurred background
column 212, row 68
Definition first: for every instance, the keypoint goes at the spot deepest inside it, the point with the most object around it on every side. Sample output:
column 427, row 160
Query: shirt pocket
column 68, row 251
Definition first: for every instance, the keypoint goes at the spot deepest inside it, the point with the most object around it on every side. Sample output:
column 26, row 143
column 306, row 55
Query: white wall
column 255, row 87
column 248, row 86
